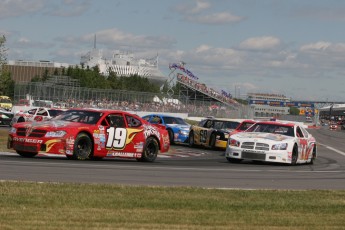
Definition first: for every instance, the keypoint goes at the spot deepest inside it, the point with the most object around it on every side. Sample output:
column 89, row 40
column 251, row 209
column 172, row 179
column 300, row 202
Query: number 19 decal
column 116, row 138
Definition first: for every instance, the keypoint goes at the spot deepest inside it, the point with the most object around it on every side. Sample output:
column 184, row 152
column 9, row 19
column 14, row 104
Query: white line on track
column 333, row 149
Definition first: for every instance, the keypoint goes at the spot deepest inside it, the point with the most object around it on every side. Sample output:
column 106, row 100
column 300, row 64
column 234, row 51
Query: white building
column 269, row 105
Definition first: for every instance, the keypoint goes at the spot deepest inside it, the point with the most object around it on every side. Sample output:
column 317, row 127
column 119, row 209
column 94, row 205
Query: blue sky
column 294, row 47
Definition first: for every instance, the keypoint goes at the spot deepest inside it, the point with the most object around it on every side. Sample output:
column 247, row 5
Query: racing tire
column 21, row 119
column 294, row 156
column 233, row 160
column 191, row 139
column 313, row 157
column 171, row 136
column 213, row 140
column 82, row 149
column 26, row 154
column 150, row 150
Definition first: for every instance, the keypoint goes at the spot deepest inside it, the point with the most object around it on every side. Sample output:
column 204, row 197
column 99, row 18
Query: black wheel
column 294, row 156
column 26, row 154
column 233, row 160
column 171, row 136
column 191, row 139
column 21, row 119
column 313, row 157
column 150, row 150
column 213, row 140
column 82, row 147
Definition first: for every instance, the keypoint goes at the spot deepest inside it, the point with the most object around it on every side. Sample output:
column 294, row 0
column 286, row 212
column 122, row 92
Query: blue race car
column 177, row 128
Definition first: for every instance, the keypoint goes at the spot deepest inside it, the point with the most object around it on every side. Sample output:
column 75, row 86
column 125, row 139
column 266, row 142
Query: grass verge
column 29, row 205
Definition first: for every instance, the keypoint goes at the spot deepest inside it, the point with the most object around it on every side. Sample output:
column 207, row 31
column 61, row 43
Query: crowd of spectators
column 171, row 107
column 223, row 97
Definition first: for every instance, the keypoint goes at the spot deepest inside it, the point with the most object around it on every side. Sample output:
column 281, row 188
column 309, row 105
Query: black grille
column 34, row 133
column 26, row 148
column 253, row 156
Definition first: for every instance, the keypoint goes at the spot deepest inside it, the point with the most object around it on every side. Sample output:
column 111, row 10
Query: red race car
column 91, row 134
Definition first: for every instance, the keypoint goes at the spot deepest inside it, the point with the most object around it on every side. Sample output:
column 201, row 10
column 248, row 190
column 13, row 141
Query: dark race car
column 5, row 117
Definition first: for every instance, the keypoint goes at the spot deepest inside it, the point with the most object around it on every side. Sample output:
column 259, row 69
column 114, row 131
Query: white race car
column 36, row 114
column 273, row 141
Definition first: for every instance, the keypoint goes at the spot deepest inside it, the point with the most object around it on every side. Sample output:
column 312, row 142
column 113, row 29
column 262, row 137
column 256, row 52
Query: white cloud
column 194, row 7
column 260, row 43
column 216, row 18
column 14, row 8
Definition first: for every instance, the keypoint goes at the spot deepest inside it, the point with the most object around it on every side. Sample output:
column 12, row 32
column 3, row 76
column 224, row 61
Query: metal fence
column 72, row 96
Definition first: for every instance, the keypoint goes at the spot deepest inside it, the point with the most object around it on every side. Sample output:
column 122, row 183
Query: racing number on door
column 203, row 136
column 116, row 138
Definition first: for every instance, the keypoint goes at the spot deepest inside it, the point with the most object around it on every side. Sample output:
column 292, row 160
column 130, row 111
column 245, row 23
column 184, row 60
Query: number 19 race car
column 91, row 134
column 272, row 141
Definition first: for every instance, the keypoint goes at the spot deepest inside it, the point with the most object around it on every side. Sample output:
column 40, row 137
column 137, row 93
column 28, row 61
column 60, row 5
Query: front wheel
column 82, row 147
column 150, row 150
column 234, row 160
column 26, row 154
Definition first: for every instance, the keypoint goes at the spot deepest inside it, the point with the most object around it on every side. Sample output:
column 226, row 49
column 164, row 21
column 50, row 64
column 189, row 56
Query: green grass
column 88, row 206
column 30, row 205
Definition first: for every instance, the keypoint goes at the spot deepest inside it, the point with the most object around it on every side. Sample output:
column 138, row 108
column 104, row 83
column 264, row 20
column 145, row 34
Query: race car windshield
column 87, row 117
column 174, row 120
column 226, row 124
column 272, row 128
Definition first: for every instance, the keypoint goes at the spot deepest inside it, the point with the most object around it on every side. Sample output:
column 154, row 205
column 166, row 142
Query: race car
column 177, row 128
column 90, row 134
column 5, row 117
column 333, row 125
column 212, row 132
column 36, row 114
column 243, row 126
column 272, row 141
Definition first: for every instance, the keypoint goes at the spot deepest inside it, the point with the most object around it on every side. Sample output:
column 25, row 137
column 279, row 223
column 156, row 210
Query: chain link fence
column 65, row 94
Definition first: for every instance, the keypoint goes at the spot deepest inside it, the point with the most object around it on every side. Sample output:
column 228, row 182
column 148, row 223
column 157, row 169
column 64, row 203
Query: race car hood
column 52, row 124
column 260, row 137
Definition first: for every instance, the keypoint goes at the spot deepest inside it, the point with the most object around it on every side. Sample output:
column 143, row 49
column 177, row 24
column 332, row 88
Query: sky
column 295, row 47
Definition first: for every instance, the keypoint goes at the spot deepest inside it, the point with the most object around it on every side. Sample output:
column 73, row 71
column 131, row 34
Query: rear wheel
column 213, row 140
column 150, row 150
column 82, row 147
column 26, row 154
column 191, row 139
column 171, row 136
column 294, row 156
column 313, row 157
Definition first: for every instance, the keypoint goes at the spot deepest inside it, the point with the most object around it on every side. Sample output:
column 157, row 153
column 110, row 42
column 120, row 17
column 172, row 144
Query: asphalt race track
column 184, row 166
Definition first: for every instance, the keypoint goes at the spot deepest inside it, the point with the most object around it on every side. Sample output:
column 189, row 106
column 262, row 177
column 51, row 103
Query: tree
column 6, row 82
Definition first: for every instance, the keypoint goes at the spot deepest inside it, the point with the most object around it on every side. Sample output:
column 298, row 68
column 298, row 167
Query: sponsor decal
column 123, row 154
column 51, row 143
column 150, row 130
column 27, row 140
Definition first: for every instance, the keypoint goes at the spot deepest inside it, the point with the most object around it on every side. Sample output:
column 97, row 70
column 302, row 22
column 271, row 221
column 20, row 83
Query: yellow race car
column 212, row 132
